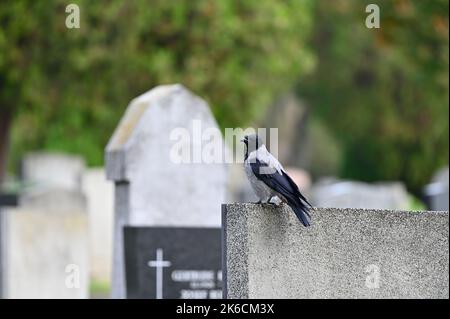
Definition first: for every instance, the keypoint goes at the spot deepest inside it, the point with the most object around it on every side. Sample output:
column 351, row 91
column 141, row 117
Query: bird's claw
column 276, row 202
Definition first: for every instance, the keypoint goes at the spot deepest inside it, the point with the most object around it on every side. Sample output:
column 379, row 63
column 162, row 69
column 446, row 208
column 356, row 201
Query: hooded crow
column 268, row 178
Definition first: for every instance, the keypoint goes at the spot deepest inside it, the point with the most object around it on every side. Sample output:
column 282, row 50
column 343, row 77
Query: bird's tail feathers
column 301, row 211
column 302, row 198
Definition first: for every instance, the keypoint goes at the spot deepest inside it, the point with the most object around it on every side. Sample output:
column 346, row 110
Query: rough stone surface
column 346, row 253
column 152, row 189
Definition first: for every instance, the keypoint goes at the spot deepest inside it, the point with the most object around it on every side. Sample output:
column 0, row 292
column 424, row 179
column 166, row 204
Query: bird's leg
column 276, row 203
column 266, row 200
column 270, row 201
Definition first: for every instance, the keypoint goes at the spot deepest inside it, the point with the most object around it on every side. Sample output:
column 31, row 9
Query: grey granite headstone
column 352, row 194
column 345, row 253
column 150, row 188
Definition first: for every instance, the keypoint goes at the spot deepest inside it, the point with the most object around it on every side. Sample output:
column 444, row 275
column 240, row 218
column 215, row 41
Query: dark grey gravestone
column 8, row 200
column 173, row 263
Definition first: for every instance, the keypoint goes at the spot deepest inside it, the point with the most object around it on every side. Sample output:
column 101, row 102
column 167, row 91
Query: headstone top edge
column 54, row 155
column 134, row 111
column 438, row 176
column 253, row 206
column 168, row 227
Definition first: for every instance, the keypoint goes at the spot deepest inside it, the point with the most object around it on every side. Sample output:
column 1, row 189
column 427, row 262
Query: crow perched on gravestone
column 268, row 179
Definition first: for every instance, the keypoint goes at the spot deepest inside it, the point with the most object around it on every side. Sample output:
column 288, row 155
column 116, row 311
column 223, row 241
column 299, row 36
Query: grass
column 416, row 204
column 99, row 289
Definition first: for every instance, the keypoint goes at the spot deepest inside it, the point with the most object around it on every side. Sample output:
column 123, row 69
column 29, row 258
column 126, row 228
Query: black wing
column 295, row 188
column 284, row 185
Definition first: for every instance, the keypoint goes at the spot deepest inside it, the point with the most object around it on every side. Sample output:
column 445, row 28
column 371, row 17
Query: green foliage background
column 383, row 93
column 69, row 88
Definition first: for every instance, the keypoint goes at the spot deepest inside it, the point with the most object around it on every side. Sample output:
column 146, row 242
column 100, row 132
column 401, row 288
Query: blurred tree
column 67, row 88
column 5, row 124
column 383, row 92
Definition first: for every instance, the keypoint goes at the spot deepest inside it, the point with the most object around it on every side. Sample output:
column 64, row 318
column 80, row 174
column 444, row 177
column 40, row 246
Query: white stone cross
column 159, row 264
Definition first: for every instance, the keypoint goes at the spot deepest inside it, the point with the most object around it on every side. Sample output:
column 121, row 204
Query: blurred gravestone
column 53, row 170
column 46, row 238
column 6, row 200
column 351, row 194
column 437, row 192
column 151, row 189
column 99, row 194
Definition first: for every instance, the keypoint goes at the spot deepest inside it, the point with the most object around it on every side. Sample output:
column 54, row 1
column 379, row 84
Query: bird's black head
column 252, row 141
